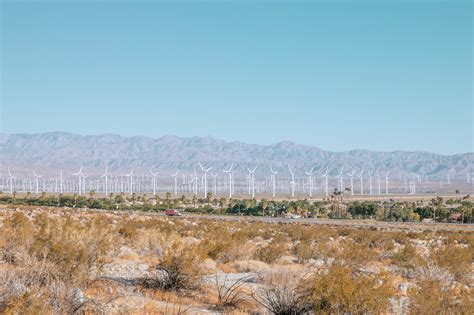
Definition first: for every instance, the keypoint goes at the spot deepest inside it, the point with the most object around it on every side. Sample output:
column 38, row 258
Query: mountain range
column 49, row 152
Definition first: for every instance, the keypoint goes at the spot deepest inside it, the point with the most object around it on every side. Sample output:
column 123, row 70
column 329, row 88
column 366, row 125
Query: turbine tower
column 106, row 177
column 175, row 176
column 325, row 175
column 154, row 181
column 252, row 180
column 272, row 178
column 215, row 182
column 231, row 179
column 341, row 183
column 130, row 175
column 37, row 177
column 292, row 183
column 310, row 181
column 205, row 170
column 378, row 181
column 361, row 182
column 370, row 183
column 386, row 182
column 79, row 175
column 10, row 179
column 351, row 176
column 61, row 181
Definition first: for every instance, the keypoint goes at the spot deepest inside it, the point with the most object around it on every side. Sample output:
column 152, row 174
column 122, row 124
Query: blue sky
column 340, row 75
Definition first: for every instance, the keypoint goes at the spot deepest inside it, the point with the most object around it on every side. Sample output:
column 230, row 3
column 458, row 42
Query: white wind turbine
column 106, row 180
column 341, row 183
column 292, row 183
column 361, row 182
column 231, row 179
column 310, row 181
column 61, row 182
column 10, row 179
column 84, row 182
column 272, row 178
column 79, row 175
column 154, row 175
column 37, row 177
column 205, row 171
column 175, row 176
column 215, row 182
column 351, row 176
column 370, row 182
column 386, row 182
column 252, row 180
column 325, row 175
column 378, row 181
column 130, row 175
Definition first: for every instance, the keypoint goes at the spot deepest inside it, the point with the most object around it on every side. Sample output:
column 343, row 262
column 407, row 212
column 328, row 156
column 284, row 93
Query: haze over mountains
column 49, row 152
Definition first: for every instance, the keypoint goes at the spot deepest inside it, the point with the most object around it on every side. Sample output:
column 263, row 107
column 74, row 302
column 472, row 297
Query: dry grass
column 76, row 261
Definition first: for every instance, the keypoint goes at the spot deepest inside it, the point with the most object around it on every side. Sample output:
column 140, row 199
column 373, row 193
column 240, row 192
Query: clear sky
column 340, row 75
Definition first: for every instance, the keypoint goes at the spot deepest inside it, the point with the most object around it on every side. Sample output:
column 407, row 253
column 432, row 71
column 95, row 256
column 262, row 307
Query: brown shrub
column 342, row 291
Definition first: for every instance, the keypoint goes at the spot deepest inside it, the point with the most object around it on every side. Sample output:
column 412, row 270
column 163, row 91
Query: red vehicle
column 173, row 212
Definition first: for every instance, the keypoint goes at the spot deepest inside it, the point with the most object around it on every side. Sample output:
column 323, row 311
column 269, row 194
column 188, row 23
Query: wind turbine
column 370, row 183
column 79, row 175
column 61, row 182
column 252, row 180
column 272, row 178
column 351, row 175
column 292, row 183
column 37, row 180
column 341, row 183
column 378, row 180
column 215, row 182
column 386, row 182
column 10, row 179
column 154, row 181
column 231, row 175
column 175, row 176
column 310, row 181
column 130, row 175
column 361, row 182
column 205, row 170
column 325, row 175
column 106, row 177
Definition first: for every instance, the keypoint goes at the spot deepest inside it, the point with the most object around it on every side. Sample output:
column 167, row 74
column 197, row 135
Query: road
column 382, row 225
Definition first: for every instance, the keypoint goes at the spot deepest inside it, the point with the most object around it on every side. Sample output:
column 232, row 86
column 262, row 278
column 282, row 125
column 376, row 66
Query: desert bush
column 179, row 269
column 434, row 297
column 304, row 251
column 270, row 252
column 231, row 293
column 408, row 258
column 455, row 259
column 343, row 291
column 284, row 294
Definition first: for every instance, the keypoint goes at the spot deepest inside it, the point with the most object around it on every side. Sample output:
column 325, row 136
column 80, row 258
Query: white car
column 295, row 216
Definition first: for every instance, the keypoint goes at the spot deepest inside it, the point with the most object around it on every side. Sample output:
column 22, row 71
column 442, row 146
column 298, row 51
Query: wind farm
column 278, row 178
column 268, row 157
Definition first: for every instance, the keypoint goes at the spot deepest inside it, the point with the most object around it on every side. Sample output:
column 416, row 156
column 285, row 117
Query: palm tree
column 264, row 205
column 222, row 203
column 134, row 198
column 111, row 196
column 14, row 197
column 209, row 197
column 194, row 201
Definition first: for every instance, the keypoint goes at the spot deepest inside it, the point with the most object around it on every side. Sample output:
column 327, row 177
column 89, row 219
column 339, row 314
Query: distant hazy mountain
column 49, row 152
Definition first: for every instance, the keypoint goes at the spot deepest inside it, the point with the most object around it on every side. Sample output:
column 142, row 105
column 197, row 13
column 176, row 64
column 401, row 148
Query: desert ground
column 82, row 261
